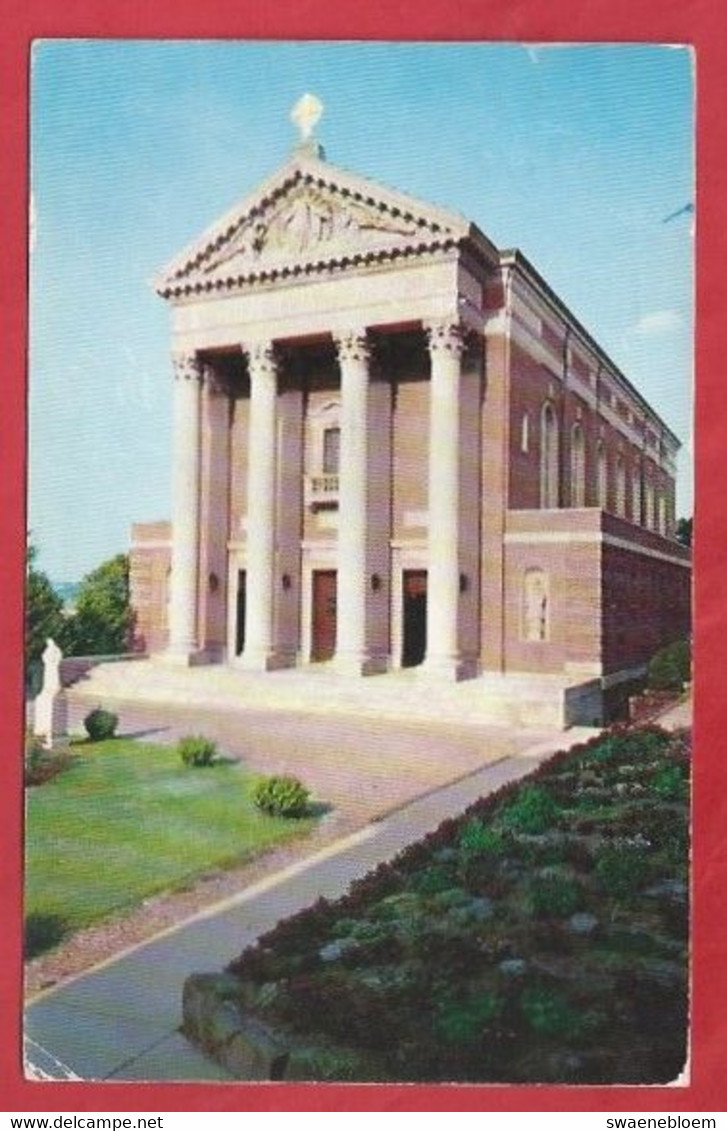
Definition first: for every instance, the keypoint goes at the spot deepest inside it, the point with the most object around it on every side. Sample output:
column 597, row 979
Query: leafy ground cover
column 126, row 819
column 540, row 937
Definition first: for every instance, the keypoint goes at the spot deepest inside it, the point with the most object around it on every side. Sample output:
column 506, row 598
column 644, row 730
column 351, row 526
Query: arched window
column 649, row 505
column 621, row 487
column 535, row 611
column 577, row 467
column 548, row 457
column 525, row 434
column 602, row 477
column 661, row 511
column 636, row 495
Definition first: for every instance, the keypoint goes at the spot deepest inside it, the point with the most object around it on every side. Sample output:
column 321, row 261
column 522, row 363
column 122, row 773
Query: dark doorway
column 241, row 609
column 324, row 614
column 414, row 617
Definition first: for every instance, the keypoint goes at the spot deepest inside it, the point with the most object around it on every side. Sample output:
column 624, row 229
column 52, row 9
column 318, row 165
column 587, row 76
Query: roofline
column 302, row 165
column 513, row 257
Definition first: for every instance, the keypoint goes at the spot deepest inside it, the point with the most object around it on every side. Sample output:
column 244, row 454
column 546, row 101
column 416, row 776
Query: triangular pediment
column 309, row 215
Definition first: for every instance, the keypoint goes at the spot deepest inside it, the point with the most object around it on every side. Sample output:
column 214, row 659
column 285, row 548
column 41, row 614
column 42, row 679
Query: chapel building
column 395, row 447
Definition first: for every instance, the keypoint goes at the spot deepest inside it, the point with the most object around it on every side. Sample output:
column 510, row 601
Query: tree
column 43, row 619
column 43, row 610
column 103, row 618
column 684, row 531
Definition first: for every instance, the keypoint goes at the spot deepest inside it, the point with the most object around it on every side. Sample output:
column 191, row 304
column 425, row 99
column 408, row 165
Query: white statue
column 52, row 657
column 50, row 718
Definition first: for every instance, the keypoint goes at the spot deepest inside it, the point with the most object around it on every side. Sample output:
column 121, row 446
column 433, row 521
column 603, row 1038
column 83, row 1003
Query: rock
column 254, row 1053
column 479, row 908
column 445, row 855
column 582, row 923
column 201, row 996
column 513, row 967
column 214, row 1020
column 222, row 1025
column 674, row 890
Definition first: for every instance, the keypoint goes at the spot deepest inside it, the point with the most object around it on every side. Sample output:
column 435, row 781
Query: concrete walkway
column 119, row 1021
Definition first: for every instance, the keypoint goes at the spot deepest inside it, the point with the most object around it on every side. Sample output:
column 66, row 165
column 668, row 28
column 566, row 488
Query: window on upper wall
column 621, row 487
column 649, row 505
column 636, row 495
column 661, row 511
column 331, row 450
column 602, row 477
column 578, row 467
column 548, row 457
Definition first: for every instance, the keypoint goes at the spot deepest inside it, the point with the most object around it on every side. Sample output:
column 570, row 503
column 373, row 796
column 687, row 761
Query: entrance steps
column 519, row 700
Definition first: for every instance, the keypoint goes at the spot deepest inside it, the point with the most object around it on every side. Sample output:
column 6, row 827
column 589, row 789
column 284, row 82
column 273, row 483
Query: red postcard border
column 699, row 23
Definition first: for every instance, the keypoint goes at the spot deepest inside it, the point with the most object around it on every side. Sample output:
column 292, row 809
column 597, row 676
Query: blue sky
column 573, row 154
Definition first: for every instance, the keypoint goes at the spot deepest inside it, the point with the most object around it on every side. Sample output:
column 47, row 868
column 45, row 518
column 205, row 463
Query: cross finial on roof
column 306, row 114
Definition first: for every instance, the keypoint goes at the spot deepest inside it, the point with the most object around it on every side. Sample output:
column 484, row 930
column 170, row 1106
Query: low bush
column 670, row 668
column 622, row 868
column 552, row 894
column 100, row 724
column 533, row 811
column 42, row 764
column 549, row 1012
column 196, row 750
column 476, row 839
column 281, row 796
column 42, row 931
column 463, row 1022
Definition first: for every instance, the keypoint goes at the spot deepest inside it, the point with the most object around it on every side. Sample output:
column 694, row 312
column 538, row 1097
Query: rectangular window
column 331, row 450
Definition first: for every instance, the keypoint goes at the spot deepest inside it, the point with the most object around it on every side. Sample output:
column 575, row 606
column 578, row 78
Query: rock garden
column 540, row 937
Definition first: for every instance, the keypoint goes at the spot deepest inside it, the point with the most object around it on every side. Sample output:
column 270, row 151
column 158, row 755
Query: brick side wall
column 149, row 566
column 609, row 604
column 646, row 600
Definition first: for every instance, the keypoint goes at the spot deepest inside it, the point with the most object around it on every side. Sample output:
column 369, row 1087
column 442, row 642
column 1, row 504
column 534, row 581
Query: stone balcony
column 321, row 492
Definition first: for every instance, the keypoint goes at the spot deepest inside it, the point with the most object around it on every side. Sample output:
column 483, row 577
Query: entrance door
column 414, row 617
column 241, row 610
column 324, row 614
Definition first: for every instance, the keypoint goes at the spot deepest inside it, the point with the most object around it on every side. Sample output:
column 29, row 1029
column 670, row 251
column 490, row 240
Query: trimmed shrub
column 670, row 668
column 42, row 932
column 196, row 750
column 281, row 796
column 100, row 724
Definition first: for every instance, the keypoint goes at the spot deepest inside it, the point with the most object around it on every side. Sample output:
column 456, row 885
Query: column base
column 447, row 669
column 359, row 665
column 264, row 661
column 194, row 658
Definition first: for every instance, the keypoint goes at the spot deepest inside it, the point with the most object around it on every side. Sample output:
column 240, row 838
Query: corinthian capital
column 187, row 366
column 445, row 334
column 261, row 358
column 352, row 346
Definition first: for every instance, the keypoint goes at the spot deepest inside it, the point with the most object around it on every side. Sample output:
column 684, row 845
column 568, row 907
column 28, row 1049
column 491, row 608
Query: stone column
column 185, row 508
column 351, row 642
column 445, row 349
column 261, row 495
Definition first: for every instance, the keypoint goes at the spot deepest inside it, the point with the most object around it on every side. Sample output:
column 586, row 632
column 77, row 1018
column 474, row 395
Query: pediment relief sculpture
column 309, row 221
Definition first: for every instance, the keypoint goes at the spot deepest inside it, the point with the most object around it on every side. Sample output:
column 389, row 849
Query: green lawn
column 128, row 819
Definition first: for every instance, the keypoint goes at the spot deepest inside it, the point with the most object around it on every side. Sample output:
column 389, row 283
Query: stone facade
column 395, row 446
